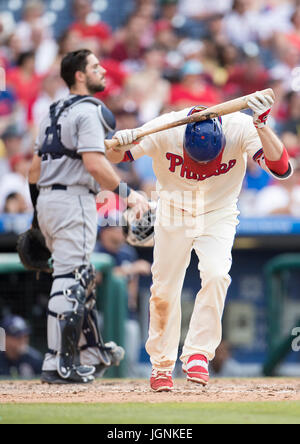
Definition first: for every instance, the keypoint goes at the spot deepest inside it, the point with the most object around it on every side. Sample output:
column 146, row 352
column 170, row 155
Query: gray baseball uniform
column 67, row 212
column 68, row 218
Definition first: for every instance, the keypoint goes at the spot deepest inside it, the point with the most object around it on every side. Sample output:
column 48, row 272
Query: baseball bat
column 220, row 110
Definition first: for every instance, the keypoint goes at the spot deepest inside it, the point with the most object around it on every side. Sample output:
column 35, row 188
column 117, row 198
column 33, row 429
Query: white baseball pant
column 212, row 238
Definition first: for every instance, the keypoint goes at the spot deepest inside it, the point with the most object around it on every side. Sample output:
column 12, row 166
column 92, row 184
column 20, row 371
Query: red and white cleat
column 161, row 381
column 197, row 369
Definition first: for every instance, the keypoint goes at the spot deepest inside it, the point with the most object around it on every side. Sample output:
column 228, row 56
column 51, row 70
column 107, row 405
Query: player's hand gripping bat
column 222, row 109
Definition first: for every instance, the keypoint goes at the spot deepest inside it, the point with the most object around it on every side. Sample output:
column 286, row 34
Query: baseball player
column 200, row 170
column 68, row 169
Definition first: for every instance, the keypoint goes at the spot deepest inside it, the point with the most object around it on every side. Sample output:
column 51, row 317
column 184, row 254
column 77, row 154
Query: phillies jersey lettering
column 176, row 161
column 192, row 189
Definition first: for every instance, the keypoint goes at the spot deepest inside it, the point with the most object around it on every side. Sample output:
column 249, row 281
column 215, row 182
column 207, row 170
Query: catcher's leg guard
column 93, row 338
column 95, row 351
column 71, row 322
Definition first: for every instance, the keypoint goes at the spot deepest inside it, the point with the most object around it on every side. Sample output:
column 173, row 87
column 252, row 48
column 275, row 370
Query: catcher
column 68, row 169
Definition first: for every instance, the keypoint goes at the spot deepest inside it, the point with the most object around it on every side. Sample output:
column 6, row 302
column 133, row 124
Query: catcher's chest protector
column 53, row 145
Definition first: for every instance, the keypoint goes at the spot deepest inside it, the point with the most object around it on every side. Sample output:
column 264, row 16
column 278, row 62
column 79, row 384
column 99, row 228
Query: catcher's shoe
column 52, row 377
column 197, row 369
column 161, row 381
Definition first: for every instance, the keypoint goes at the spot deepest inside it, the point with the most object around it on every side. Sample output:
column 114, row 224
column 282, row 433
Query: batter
column 200, row 170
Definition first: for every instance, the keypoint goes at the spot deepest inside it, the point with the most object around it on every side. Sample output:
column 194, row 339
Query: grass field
column 229, row 401
column 167, row 413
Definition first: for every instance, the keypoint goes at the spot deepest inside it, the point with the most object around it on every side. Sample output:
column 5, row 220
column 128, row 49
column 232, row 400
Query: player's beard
column 94, row 88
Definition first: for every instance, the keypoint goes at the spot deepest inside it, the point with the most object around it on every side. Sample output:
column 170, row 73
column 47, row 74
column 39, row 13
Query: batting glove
column 126, row 137
column 261, row 106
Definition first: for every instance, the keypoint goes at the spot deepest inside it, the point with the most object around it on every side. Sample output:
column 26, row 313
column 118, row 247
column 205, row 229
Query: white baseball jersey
column 199, row 194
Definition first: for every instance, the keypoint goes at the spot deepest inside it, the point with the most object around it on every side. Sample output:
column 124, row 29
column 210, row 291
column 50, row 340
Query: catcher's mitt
column 33, row 251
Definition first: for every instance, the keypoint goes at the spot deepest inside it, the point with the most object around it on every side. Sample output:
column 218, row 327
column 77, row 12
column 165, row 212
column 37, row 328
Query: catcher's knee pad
column 93, row 338
column 86, row 275
column 71, row 323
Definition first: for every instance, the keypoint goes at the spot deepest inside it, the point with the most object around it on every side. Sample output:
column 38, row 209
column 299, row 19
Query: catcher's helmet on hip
column 204, row 141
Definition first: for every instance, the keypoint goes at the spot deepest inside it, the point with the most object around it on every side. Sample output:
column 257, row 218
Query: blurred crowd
column 168, row 54
column 19, row 360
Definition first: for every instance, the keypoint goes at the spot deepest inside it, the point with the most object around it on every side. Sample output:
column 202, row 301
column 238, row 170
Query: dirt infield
column 122, row 391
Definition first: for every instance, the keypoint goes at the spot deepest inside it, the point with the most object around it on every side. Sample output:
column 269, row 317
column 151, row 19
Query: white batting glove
column 261, row 106
column 126, row 137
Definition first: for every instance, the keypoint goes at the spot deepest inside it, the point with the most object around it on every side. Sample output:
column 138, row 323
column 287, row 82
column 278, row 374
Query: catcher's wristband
column 123, row 190
column 34, row 193
column 35, row 222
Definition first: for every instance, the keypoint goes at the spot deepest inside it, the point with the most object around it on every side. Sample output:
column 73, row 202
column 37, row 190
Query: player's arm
column 276, row 156
column 125, row 138
column 128, row 150
column 35, row 170
column 90, row 145
column 102, row 171
column 115, row 155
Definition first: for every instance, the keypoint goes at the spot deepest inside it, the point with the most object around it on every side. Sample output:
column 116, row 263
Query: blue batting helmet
column 204, row 141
